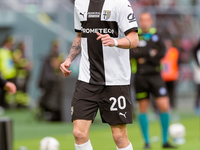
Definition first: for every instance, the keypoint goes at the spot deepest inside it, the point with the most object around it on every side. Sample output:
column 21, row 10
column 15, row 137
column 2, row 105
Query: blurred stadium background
column 46, row 26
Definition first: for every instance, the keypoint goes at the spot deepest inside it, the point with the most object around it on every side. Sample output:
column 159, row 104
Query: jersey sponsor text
column 100, row 30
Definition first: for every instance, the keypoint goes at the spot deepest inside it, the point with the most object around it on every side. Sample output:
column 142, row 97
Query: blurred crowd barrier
column 34, row 24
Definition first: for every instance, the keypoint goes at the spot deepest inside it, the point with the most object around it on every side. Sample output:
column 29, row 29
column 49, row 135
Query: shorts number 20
column 121, row 103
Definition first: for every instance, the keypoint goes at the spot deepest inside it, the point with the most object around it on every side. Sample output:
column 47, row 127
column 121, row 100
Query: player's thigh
column 115, row 105
column 84, row 103
column 163, row 103
column 157, row 86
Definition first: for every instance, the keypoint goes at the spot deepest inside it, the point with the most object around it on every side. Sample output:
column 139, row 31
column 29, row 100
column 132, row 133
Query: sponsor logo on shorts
column 162, row 91
column 121, row 114
column 72, row 110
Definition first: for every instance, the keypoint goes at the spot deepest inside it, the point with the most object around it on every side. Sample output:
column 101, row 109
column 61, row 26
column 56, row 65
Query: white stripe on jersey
column 84, row 67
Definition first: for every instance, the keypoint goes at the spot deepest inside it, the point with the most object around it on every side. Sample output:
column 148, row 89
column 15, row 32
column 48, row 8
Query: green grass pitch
column 28, row 132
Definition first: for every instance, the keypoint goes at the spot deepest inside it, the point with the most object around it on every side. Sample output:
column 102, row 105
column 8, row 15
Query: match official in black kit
column 145, row 61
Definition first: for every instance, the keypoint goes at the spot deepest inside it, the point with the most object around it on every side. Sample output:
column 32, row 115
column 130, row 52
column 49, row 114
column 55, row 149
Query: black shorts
column 149, row 84
column 114, row 103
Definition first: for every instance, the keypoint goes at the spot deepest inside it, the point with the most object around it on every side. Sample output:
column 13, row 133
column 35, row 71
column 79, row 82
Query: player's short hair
column 145, row 12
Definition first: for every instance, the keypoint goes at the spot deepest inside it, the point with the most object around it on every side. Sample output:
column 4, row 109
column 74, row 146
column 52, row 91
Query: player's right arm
column 74, row 52
column 76, row 46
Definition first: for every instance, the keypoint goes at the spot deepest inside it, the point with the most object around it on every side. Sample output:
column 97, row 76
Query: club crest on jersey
column 106, row 14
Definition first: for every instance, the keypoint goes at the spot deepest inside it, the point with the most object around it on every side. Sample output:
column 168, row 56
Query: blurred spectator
column 170, row 70
column 7, row 67
column 51, row 83
column 8, row 86
column 23, row 67
column 196, row 51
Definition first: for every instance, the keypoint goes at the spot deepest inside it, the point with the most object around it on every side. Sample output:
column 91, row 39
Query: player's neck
column 145, row 31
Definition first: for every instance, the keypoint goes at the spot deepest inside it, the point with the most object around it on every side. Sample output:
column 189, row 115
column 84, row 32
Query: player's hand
column 10, row 87
column 106, row 39
column 64, row 67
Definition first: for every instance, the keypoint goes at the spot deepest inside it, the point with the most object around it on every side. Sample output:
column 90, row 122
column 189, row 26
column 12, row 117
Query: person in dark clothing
column 6, row 86
column 196, row 53
column 23, row 67
column 146, row 66
column 50, row 82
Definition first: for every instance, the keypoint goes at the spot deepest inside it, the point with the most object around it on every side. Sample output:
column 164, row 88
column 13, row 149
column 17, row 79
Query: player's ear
column 152, row 21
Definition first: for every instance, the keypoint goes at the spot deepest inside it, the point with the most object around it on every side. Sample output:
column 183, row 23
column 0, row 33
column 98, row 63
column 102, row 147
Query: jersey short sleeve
column 77, row 22
column 127, row 20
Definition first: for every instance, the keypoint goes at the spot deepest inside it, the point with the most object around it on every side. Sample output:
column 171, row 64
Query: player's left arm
column 128, row 42
column 159, row 51
column 127, row 23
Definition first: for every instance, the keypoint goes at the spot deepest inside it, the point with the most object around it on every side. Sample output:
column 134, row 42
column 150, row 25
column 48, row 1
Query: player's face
column 146, row 22
column 9, row 45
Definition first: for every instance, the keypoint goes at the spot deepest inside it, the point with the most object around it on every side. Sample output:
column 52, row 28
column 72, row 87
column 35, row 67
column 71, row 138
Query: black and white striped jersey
column 99, row 64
